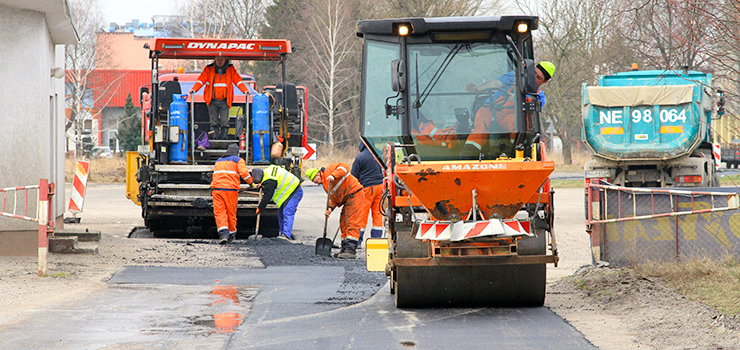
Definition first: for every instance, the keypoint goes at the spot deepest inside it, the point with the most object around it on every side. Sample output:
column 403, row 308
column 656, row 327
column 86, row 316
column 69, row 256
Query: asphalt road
column 298, row 301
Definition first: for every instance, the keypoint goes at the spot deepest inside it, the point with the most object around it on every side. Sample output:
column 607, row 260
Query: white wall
column 31, row 107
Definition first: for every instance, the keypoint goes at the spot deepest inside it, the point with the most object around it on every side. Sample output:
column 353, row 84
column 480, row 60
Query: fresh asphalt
column 298, row 301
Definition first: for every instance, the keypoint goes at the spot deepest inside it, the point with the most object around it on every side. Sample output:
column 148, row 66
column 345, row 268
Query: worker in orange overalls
column 502, row 102
column 346, row 191
column 368, row 171
column 225, row 184
column 219, row 79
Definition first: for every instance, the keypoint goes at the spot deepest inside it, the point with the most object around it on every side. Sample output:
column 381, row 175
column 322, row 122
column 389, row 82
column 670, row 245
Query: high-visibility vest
column 286, row 183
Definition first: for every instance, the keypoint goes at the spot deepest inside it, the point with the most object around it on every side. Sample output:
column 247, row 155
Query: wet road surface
column 281, row 307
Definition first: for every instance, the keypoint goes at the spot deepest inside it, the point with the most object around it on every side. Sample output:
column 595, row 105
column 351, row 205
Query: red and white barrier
column 79, row 184
column 43, row 213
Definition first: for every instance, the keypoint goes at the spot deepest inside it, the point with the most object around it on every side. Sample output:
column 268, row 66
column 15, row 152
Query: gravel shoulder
column 613, row 308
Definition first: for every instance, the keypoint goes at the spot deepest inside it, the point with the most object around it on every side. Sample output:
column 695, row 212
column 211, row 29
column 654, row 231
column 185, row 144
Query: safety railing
column 42, row 201
column 625, row 203
column 630, row 226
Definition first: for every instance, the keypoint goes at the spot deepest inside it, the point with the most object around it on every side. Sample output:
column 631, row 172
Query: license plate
column 597, row 173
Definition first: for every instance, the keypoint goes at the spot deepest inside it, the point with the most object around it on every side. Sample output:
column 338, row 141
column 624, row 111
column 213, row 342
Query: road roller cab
column 469, row 214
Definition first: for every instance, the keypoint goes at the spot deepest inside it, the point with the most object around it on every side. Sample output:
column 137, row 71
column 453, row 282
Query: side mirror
column 398, row 75
column 528, row 81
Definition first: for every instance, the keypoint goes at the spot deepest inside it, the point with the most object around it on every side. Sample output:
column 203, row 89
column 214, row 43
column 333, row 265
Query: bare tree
column 578, row 36
column 434, row 8
column 241, row 19
column 331, row 45
column 81, row 64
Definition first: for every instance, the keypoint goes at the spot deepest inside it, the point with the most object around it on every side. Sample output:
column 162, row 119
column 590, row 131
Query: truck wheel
column 535, row 245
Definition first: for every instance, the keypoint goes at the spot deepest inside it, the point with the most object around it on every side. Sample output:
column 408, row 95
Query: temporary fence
column 634, row 225
column 42, row 201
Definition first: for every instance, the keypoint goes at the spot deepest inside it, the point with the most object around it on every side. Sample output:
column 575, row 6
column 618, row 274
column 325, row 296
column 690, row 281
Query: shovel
column 324, row 245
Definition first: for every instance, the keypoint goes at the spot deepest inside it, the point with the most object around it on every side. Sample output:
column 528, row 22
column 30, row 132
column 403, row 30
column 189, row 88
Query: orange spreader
column 446, row 188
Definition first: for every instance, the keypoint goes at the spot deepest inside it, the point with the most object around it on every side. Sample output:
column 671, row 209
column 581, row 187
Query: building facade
column 32, row 109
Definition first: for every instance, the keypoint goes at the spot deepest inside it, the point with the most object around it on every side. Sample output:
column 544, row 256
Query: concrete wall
column 31, row 110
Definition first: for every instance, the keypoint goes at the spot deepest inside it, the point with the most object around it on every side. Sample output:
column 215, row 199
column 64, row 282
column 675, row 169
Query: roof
column 236, row 49
column 424, row 25
column 58, row 18
column 111, row 86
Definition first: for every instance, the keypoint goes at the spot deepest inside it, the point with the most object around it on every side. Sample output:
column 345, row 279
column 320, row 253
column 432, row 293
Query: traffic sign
column 310, row 151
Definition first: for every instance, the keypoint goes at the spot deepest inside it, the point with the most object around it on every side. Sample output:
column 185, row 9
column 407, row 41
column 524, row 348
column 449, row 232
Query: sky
column 122, row 11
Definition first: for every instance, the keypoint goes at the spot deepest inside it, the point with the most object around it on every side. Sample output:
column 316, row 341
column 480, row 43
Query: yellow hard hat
column 547, row 68
column 311, row 173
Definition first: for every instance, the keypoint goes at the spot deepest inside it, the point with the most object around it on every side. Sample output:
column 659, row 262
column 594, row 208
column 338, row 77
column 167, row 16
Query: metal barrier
column 629, row 226
column 44, row 192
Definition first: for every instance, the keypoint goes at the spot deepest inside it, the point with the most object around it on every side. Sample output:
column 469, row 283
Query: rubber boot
column 349, row 247
column 225, row 133
column 223, row 236
column 213, row 133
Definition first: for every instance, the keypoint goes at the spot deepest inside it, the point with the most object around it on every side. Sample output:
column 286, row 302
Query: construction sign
column 79, row 184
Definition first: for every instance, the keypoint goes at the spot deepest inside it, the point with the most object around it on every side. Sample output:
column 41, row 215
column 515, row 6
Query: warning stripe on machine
column 612, row 131
column 462, row 230
column 675, row 129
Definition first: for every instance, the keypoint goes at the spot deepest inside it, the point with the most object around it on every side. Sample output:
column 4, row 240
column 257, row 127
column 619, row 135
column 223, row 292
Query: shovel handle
column 326, row 218
column 257, row 226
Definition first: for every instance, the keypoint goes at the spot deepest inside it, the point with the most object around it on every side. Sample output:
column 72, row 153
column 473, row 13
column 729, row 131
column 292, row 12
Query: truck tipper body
column 650, row 129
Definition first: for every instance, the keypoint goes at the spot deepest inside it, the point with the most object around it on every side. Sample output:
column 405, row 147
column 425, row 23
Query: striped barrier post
column 43, row 219
column 717, row 155
column 79, row 185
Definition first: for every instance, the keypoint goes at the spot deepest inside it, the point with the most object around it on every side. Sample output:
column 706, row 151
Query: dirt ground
column 613, row 308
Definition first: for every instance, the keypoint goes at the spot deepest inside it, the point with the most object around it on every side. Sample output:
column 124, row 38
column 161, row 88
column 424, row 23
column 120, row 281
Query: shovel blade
column 323, row 246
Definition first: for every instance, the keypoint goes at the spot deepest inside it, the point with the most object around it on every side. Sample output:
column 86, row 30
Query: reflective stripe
column 338, row 184
column 343, row 168
column 208, row 83
column 241, row 82
column 223, row 228
column 475, row 144
column 202, row 82
column 286, row 183
column 225, row 172
column 220, row 85
column 434, row 131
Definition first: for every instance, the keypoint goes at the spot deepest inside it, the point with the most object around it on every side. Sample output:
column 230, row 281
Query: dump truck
column 463, row 228
column 170, row 174
column 730, row 154
column 650, row 128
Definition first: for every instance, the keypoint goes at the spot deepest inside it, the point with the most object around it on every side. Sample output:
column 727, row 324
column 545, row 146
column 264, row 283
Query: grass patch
column 104, row 170
column 556, row 183
column 62, row 275
column 713, row 282
column 730, row 180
